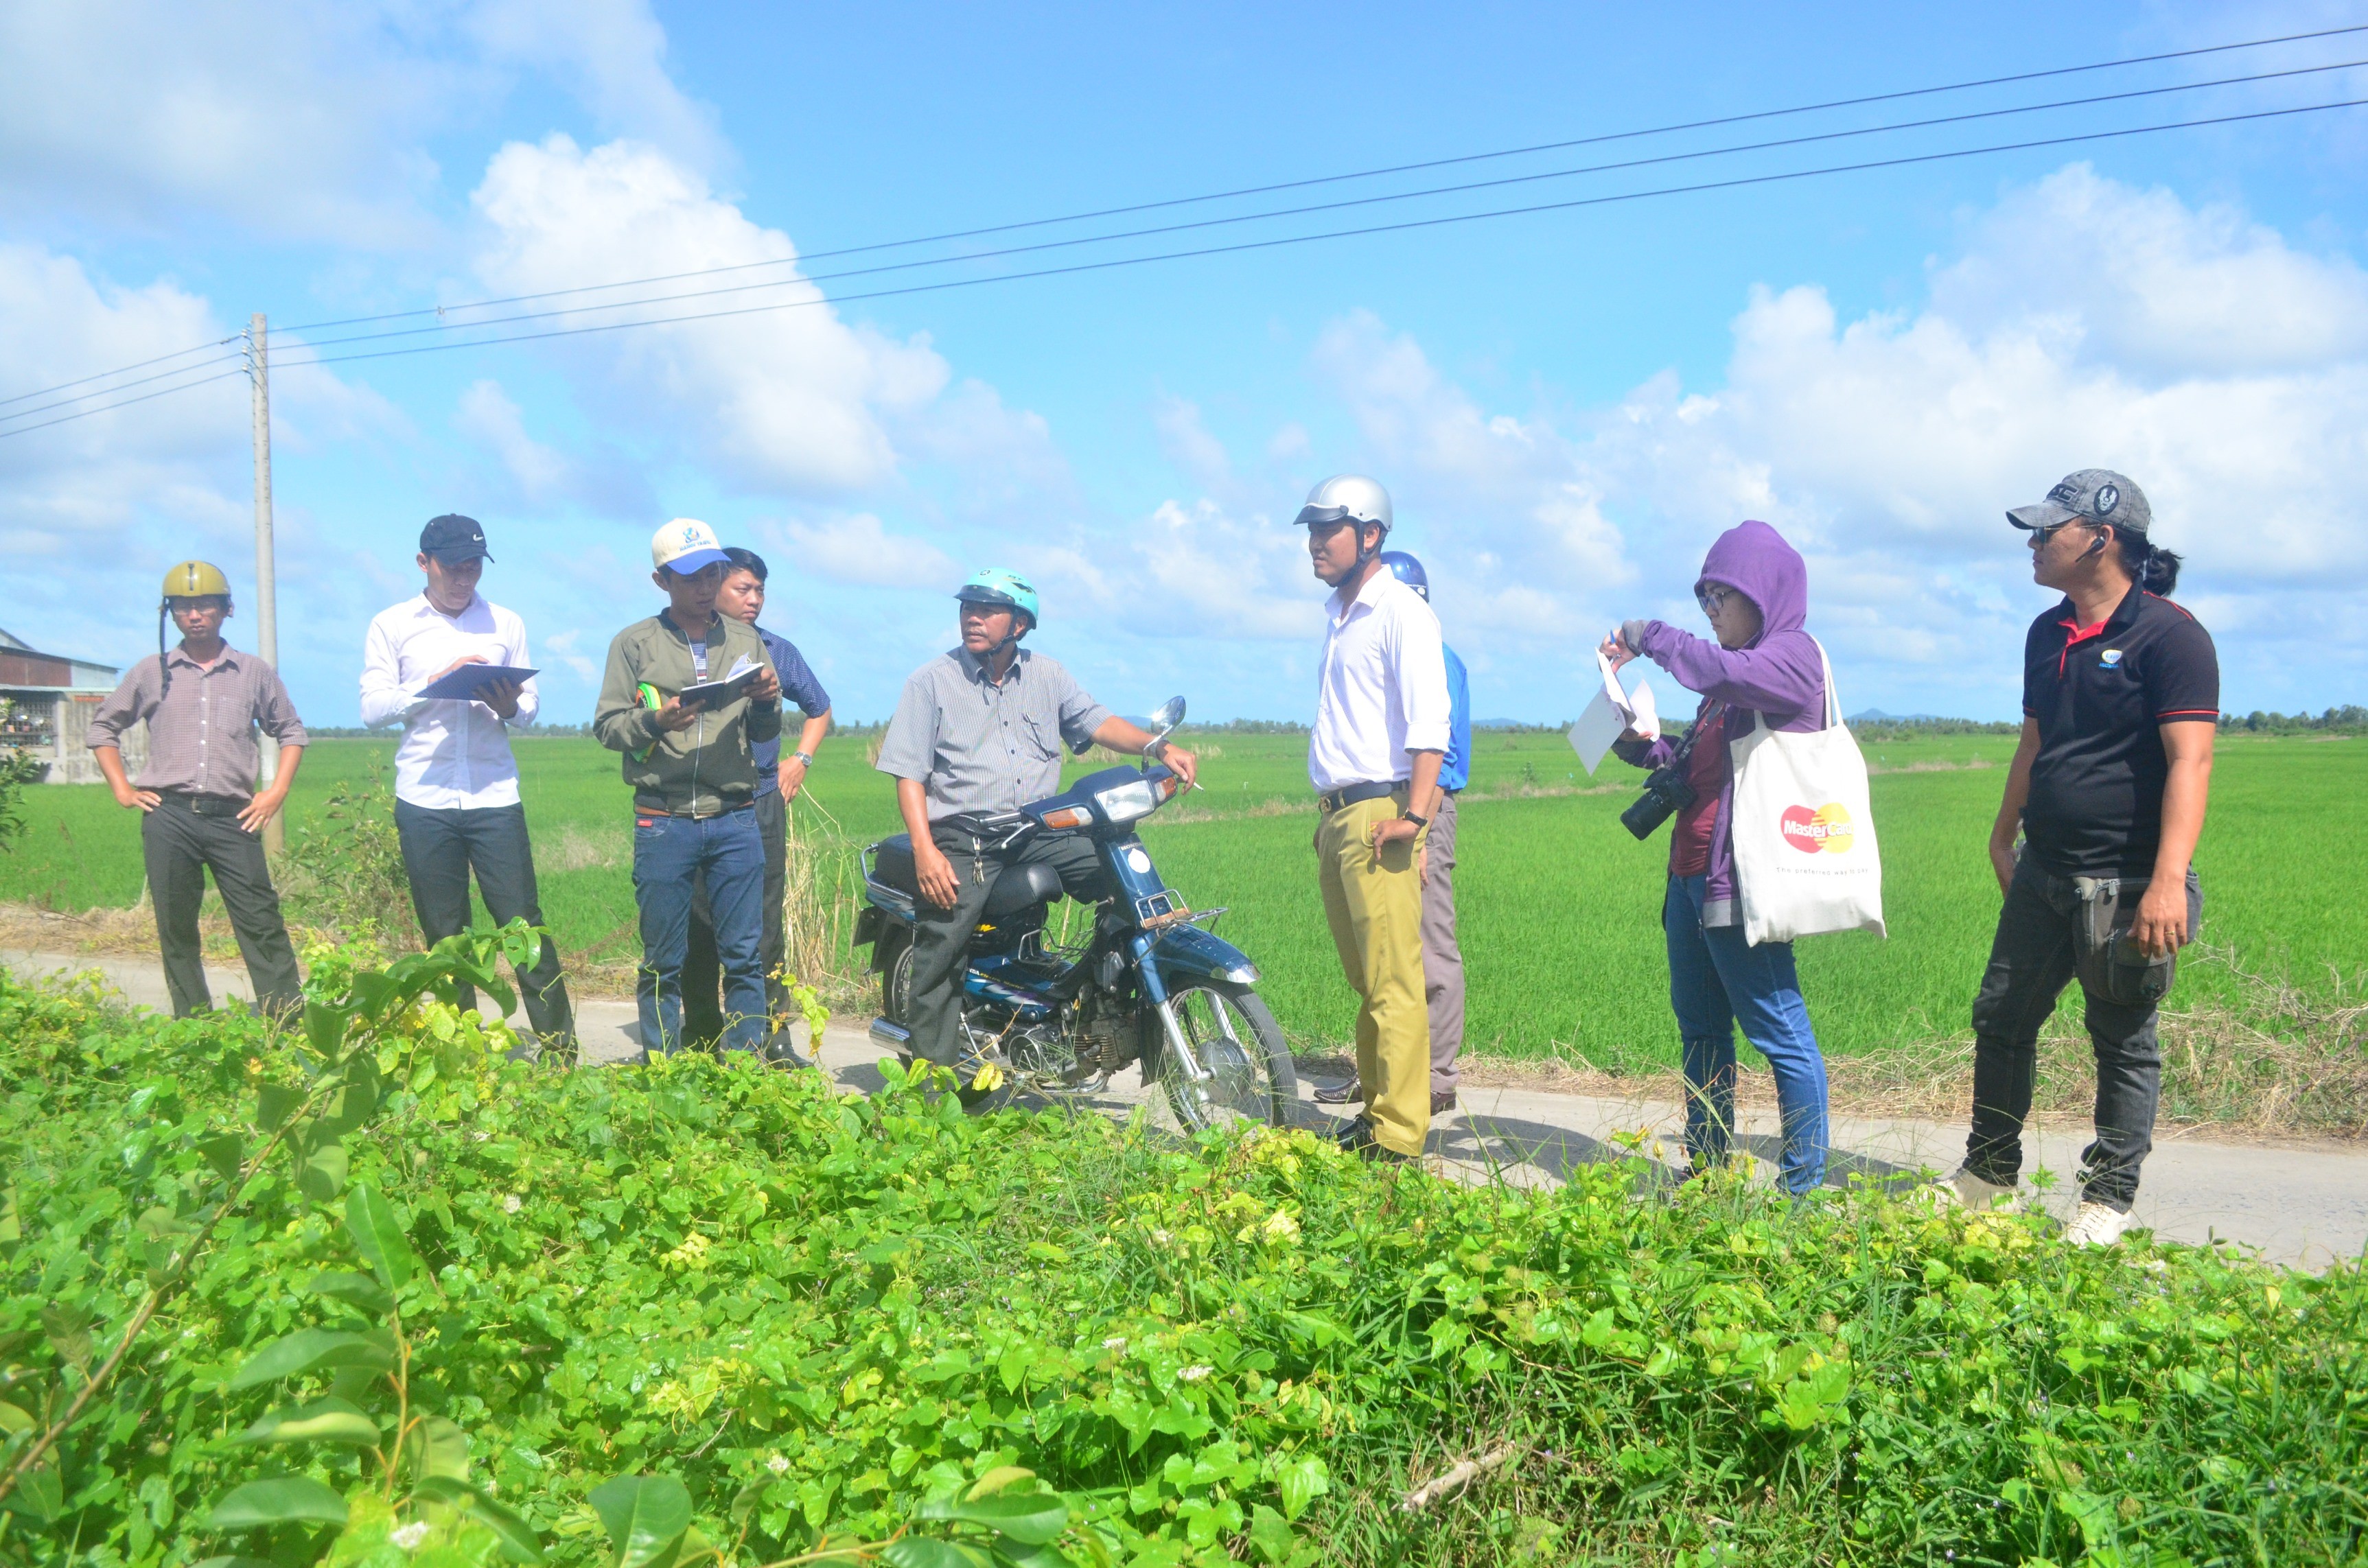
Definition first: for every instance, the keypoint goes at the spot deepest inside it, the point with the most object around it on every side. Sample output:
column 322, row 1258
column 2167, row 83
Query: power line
column 1362, row 174
column 119, row 386
column 1739, row 182
column 1342, row 205
column 144, row 397
column 176, row 354
column 1411, row 224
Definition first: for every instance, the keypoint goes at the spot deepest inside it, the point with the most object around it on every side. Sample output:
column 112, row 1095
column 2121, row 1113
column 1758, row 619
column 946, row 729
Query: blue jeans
column 1716, row 981
column 670, row 854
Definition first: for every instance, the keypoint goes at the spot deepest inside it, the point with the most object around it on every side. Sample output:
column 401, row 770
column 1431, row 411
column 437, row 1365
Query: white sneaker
column 2096, row 1225
column 1966, row 1190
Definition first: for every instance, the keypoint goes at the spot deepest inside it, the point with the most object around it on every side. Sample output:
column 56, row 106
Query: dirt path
column 2300, row 1204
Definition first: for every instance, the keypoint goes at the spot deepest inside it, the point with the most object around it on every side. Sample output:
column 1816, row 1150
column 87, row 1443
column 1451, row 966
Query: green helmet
column 996, row 587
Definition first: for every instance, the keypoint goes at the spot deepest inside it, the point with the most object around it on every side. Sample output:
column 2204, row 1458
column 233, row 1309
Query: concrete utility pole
column 266, row 610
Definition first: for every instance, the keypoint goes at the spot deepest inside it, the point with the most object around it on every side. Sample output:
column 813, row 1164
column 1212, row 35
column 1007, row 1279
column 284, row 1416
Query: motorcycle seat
column 1018, row 888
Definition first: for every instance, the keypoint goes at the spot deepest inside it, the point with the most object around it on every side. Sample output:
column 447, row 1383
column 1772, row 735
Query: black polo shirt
column 2100, row 695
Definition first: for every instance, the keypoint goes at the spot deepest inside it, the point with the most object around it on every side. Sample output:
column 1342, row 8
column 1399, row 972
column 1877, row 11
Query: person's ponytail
column 2155, row 570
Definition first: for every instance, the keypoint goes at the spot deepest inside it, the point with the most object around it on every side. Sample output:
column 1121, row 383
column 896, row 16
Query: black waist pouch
column 2113, row 966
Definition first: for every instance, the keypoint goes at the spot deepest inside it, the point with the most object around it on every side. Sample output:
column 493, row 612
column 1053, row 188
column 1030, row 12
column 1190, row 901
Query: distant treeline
column 2349, row 718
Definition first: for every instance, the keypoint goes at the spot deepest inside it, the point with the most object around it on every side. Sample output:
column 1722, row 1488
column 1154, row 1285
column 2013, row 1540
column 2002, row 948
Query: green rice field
column 1560, row 908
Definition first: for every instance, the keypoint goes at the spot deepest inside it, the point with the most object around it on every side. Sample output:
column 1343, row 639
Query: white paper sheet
column 1609, row 713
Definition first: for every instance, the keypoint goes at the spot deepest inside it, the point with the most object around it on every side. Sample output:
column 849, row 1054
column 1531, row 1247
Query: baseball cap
column 2092, row 496
column 453, row 539
column 686, row 547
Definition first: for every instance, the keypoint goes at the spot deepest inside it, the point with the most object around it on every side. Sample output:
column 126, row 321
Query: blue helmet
column 995, row 585
column 1407, row 570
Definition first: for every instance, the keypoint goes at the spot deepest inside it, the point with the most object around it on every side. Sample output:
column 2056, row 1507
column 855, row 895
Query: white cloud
column 487, row 417
column 563, row 646
column 857, row 549
column 93, row 510
column 792, row 401
column 2224, row 371
column 1188, row 443
column 300, row 120
column 1207, row 573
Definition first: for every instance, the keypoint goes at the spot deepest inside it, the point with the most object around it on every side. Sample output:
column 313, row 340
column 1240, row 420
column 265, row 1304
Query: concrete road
column 2300, row 1204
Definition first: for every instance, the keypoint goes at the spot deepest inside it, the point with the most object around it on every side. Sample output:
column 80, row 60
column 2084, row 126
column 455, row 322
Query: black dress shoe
column 1358, row 1138
column 1341, row 1093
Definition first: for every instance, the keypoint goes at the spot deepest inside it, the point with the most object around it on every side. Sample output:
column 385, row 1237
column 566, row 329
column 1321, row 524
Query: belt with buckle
column 1350, row 794
column 201, row 805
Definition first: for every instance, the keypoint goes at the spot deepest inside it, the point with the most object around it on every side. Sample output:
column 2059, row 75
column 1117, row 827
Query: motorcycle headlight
column 1125, row 802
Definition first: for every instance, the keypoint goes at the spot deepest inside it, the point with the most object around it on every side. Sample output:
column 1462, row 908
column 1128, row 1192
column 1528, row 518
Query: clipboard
column 463, row 684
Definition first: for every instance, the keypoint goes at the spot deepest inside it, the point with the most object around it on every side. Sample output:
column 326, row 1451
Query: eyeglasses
column 1711, row 599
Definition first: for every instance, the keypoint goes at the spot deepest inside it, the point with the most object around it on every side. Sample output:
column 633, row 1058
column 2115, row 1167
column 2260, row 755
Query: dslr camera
column 1666, row 794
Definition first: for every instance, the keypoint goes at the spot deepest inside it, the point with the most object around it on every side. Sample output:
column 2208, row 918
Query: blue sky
column 1567, row 406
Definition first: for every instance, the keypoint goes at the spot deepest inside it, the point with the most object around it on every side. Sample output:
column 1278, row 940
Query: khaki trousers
column 1372, row 901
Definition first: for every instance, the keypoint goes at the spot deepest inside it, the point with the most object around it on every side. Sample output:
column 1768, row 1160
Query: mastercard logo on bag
column 1826, row 830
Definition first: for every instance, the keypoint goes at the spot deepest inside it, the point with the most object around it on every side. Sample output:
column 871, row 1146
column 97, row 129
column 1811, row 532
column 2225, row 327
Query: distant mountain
column 1877, row 716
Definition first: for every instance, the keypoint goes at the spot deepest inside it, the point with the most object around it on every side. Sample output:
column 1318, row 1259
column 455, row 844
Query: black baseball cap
column 453, row 539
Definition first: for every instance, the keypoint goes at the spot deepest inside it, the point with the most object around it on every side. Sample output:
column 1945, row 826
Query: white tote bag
column 1805, row 860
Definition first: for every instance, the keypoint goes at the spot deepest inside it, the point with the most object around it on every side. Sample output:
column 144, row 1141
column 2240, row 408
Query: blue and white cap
column 686, row 547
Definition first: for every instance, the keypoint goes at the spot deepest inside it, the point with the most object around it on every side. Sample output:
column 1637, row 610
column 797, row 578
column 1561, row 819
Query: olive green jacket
column 708, row 767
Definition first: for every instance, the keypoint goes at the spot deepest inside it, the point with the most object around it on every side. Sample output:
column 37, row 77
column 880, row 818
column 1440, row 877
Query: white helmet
column 1345, row 497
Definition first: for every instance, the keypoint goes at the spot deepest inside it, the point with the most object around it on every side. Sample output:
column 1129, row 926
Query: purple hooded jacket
column 1777, row 677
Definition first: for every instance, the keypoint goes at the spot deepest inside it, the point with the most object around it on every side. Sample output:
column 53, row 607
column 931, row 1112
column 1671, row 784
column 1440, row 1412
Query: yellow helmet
column 196, row 580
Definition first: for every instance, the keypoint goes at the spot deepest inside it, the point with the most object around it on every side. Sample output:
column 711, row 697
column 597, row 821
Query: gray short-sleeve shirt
column 978, row 746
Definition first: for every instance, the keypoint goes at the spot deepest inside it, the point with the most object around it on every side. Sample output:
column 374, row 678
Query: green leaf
column 319, row 1421
column 41, row 1493
column 226, row 1152
column 1034, row 1518
column 310, row 1350
column 325, row 1027
column 437, row 1449
column 283, row 1500
column 274, row 1104
column 1270, row 1535
column 916, row 1552
column 1302, row 1480
column 646, row 1516
column 13, row 1419
column 322, row 1175
column 520, row 1543
column 355, row 1290
column 68, row 1326
column 234, row 1562
column 997, row 1479
column 377, row 1231
column 1009, row 1554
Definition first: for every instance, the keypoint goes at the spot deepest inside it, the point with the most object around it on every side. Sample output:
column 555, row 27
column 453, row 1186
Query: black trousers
column 702, row 970
column 440, row 847
column 180, row 846
column 941, row 946
column 2037, row 951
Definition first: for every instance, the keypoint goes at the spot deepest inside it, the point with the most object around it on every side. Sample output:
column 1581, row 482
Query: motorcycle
column 1145, row 984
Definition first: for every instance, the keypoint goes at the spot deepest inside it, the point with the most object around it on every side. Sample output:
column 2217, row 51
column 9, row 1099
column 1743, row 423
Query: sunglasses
column 2040, row 536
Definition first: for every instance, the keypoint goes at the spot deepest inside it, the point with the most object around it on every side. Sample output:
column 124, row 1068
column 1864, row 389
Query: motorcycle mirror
column 1171, row 714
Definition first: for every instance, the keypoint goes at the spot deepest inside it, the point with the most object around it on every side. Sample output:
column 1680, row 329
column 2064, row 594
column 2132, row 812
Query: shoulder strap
column 1833, row 698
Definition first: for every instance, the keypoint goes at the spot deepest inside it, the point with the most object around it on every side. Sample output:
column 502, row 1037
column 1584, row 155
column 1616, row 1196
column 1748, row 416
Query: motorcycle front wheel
column 1250, row 1074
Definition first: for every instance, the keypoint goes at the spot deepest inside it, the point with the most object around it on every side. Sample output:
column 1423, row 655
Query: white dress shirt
column 1381, row 688
column 454, row 754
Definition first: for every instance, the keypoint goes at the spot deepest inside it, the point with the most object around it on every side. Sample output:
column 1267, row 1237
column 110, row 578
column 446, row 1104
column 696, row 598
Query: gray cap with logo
column 2091, row 495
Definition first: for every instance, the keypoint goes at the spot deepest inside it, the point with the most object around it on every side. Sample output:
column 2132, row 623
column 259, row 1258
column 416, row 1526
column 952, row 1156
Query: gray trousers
column 180, row 846
column 1442, row 960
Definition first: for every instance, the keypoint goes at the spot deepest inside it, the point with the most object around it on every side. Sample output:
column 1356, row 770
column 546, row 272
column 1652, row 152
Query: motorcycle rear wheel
column 894, row 956
column 1251, row 1076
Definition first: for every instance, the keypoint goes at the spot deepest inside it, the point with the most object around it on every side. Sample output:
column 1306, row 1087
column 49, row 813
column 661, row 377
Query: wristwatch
column 1416, row 817
column 803, row 758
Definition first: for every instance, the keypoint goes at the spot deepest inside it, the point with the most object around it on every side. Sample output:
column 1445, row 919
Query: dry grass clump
column 2281, row 1064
